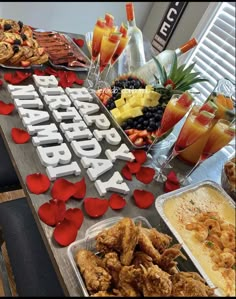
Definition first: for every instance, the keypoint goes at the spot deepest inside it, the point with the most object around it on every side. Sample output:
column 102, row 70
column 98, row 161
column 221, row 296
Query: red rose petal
column 37, row 183
column 140, row 156
column 17, row 77
column 48, row 213
column 172, row 177
column 95, row 207
column 80, row 189
column 1, row 82
column 134, row 167
column 39, row 72
column 50, row 71
column 62, row 189
column 6, row 109
column 117, row 202
column 143, row 199
column 79, row 42
column 76, row 216
column 20, row 136
column 60, row 209
column 65, row 232
column 145, row 175
column 126, row 173
column 79, row 81
column 169, row 186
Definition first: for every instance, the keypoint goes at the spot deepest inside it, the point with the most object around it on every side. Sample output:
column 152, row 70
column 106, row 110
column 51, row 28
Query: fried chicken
column 167, row 262
column 190, row 284
column 147, row 247
column 130, row 281
column 141, row 258
column 95, row 276
column 113, row 265
column 159, row 240
column 122, row 238
column 156, row 283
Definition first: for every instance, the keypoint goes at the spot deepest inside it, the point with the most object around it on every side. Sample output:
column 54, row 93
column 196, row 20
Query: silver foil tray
column 159, row 203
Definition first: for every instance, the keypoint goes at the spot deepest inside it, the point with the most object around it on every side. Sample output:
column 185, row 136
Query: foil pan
column 89, row 243
column 159, row 205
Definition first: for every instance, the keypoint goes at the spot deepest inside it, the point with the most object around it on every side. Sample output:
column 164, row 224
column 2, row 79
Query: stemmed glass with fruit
column 108, row 47
column 123, row 43
column 196, row 124
column 100, row 29
column 219, row 136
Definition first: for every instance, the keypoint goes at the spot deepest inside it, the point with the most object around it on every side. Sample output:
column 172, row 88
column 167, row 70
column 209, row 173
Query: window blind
column 215, row 53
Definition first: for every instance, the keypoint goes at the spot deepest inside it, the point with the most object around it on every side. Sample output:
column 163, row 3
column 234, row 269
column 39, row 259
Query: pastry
column 6, row 51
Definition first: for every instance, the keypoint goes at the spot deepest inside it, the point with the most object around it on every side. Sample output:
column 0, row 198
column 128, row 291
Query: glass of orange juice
column 100, row 29
column 109, row 45
column 219, row 136
column 196, row 124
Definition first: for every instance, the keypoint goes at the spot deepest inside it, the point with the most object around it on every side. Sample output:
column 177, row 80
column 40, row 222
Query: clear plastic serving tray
column 159, row 203
column 89, row 243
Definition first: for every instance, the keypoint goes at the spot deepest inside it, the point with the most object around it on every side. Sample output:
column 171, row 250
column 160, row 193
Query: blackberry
column 23, row 36
column 15, row 49
column 20, row 24
column 17, row 42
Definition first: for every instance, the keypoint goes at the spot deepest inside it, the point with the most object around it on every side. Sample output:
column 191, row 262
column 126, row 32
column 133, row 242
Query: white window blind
column 215, row 53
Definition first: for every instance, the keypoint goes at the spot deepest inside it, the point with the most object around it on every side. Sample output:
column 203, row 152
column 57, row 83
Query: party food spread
column 205, row 220
column 17, row 45
column 131, row 260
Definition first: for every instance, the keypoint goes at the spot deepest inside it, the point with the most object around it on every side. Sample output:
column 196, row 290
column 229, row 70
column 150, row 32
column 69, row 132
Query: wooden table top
column 26, row 161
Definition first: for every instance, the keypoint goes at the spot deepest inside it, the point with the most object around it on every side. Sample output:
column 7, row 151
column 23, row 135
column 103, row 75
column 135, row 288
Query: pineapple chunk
column 134, row 112
column 125, row 107
column 120, row 102
column 149, row 87
column 151, row 98
column 135, row 101
column 117, row 115
column 128, row 93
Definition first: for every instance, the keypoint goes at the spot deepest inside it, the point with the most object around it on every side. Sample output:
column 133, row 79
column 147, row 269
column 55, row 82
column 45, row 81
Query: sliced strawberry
column 139, row 141
column 9, row 40
column 129, row 131
column 133, row 137
column 143, row 133
column 25, row 63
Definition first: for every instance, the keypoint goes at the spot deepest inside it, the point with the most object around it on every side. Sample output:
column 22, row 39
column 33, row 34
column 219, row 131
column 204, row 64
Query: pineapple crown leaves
column 182, row 76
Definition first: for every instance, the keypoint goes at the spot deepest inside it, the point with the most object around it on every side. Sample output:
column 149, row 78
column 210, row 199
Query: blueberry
column 149, row 129
column 145, row 123
column 135, row 123
column 139, row 126
column 148, row 115
column 140, row 120
column 112, row 105
column 17, row 41
column 158, row 117
column 15, row 49
column 20, row 24
column 130, row 121
column 137, row 84
column 152, row 125
column 23, row 36
column 145, row 109
column 7, row 26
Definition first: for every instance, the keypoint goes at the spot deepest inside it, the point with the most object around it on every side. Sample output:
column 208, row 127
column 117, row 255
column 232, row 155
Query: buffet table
column 26, row 161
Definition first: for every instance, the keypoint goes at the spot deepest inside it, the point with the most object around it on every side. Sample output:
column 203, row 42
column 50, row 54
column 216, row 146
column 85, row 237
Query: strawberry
column 133, row 137
column 130, row 131
column 139, row 141
column 25, row 63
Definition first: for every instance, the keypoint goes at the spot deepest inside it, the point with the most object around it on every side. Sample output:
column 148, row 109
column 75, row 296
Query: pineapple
column 179, row 79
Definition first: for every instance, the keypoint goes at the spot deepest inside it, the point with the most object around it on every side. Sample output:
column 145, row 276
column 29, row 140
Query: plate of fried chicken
column 129, row 258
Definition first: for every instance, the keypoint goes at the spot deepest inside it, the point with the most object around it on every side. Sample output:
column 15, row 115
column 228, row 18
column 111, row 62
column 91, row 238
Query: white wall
column 72, row 17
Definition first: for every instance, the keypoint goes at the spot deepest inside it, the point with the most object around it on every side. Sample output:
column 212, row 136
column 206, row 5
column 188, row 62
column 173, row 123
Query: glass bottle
column 165, row 58
column 135, row 49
